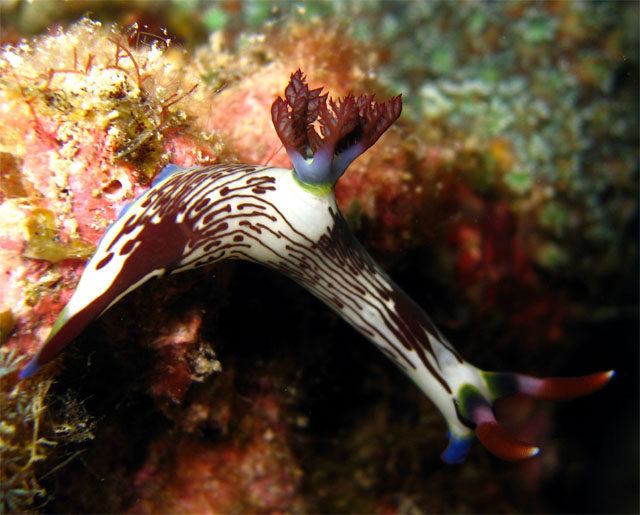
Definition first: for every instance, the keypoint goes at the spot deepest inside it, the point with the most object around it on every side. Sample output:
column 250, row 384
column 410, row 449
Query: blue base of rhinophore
column 457, row 450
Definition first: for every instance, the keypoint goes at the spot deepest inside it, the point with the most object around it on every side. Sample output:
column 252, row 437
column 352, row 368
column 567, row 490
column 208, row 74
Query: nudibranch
column 288, row 220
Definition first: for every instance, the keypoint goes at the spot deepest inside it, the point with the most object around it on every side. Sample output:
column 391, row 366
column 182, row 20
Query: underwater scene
column 455, row 184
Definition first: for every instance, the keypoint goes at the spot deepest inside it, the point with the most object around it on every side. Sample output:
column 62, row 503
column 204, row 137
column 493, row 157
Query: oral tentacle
column 500, row 443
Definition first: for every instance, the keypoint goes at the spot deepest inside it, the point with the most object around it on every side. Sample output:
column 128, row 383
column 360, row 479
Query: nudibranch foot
column 288, row 220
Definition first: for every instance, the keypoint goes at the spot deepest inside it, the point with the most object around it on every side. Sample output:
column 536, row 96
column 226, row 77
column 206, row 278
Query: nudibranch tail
column 288, row 220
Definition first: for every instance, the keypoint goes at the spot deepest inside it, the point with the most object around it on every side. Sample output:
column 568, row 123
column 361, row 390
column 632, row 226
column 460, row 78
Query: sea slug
column 288, row 220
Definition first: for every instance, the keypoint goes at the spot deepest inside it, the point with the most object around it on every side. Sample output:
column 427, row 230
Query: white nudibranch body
column 288, row 220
